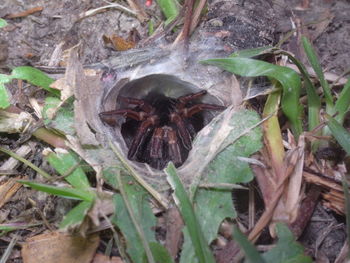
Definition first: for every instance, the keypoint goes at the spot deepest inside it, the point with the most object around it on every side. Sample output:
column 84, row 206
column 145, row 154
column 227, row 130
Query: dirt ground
column 34, row 40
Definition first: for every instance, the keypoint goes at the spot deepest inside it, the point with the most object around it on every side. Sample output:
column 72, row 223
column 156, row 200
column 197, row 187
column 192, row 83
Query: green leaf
column 180, row 196
column 313, row 99
column 251, row 52
column 251, row 254
column 2, row 23
column 65, row 192
column 63, row 120
column 35, row 77
column 287, row 249
column 214, row 205
column 340, row 133
column 288, row 78
column 69, row 166
column 343, row 103
column 170, row 9
column 160, row 253
column 4, row 96
column 312, row 57
column 76, row 216
column 138, row 199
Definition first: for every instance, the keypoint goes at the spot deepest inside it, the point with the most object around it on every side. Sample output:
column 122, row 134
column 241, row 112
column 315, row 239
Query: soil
column 33, row 40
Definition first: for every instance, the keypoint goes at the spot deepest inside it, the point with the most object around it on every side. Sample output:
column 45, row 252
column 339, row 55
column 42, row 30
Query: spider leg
column 174, row 149
column 141, row 134
column 188, row 112
column 138, row 116
column 186, row 98
column 181, row 127
column 145, row 106
column 156, row 149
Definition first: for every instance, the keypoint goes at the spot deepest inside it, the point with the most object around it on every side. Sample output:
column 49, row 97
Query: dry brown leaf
column 100, row 258
column 59, row 247
column 118, row 43
column 8, row 189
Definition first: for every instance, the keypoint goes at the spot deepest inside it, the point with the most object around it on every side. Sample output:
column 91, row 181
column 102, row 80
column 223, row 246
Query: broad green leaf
column 2, row 23
column 312, row 57
column 4, row 96
column 287, row 250
column 213, row 206
column 251, row 254
column 63, row 120
column 252, row 52
column 170, row 9
column 35, row 77
column 138, row 200
column 288, row 78
column 343, row 102
column 160, row 253
column 69, row 166
column 340, row 133
column 182, row 201
column 76, row 216
column 66, row 192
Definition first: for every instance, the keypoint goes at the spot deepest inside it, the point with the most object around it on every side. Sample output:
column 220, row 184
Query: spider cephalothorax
column 160, row 128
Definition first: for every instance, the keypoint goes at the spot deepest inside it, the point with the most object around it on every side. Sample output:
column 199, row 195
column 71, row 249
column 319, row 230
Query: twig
column 25, row 13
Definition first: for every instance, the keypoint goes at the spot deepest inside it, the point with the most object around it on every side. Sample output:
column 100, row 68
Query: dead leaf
column 118, row 43
column 59, row 247
column 8, row 189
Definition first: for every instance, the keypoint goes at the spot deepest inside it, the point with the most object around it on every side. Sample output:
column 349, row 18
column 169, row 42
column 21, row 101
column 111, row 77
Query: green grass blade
column 313, row 99
column 252, row 255
column 288, row 78
column 135, row 221
column 35, row 77
column 26, row 162
column 312, row 57
column 251, row 52
column 343, row 103
column 340, row 133
column 66, row 192
column 3, row 23
column 182, row 200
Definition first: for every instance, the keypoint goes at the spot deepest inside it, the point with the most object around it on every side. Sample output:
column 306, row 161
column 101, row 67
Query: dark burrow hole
column 159, row 115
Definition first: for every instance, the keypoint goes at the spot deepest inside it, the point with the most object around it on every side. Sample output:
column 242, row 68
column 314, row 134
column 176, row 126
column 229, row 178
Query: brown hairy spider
column 160, row 128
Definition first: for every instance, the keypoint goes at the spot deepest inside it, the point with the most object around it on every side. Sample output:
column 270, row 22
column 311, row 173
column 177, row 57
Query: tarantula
column 160, row 129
